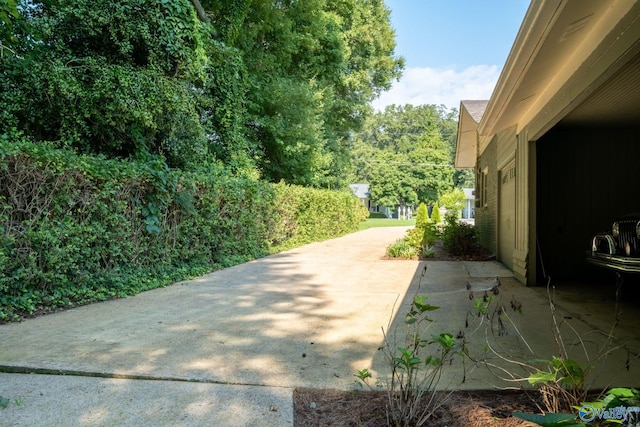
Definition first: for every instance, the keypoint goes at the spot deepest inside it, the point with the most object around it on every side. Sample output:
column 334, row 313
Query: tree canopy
column 261, row 87
column 405, row 154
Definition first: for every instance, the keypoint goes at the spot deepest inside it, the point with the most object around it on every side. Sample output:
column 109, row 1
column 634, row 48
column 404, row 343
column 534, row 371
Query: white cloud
column 420, row 86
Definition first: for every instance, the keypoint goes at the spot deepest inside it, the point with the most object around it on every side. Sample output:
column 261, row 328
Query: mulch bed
column 478, row 253
column 368, row 409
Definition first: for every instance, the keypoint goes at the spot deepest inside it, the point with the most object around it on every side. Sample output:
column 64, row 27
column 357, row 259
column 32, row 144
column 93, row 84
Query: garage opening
column 586, row 177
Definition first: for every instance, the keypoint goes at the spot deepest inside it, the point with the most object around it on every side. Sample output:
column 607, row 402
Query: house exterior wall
column 498, row 154
column 487, row 197
column 507, row 213
column 468, row 212
column 503, row 228
column 506, row 147
column 506, row 179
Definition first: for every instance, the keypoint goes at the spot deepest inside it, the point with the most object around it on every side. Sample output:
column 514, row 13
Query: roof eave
column 537, row 21
column 471, row 113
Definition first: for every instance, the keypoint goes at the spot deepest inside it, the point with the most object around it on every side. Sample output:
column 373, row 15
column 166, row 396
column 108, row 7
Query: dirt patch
column 368, row 409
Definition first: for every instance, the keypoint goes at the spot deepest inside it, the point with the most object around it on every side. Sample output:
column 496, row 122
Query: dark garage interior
column 587, row 176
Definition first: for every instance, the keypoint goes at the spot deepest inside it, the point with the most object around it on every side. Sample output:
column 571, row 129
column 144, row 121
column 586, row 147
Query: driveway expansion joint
column 9, row 369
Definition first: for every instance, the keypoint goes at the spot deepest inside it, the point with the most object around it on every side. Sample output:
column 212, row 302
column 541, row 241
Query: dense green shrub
column 308, row 214
column 401, row 249
column 422, row 216
column 419, row 239
column 459, row 238
column 436, row 218
column 429, row 235
column 414, row 237
column 78, row 229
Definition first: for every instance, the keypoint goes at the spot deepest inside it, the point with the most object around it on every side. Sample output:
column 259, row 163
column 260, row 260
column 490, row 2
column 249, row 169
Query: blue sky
column 454, row 49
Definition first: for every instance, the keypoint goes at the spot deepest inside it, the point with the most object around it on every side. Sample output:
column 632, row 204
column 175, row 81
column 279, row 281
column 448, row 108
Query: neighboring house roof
column 575, row 61
column 360, row 190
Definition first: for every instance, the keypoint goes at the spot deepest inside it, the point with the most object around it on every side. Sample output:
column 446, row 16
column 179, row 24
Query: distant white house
column 362, row 192
column 469, row 210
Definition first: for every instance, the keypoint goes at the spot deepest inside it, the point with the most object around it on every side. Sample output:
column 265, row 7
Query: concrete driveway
column 228, row 348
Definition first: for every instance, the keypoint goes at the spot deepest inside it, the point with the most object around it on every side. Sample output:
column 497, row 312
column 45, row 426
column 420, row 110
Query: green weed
column 416, row 363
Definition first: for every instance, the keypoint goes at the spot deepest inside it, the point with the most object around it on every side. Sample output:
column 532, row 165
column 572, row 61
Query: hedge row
column 79, row 229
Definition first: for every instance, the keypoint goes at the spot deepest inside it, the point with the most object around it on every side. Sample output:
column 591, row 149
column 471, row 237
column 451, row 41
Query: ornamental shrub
column 459, row 238
column 422, row 216
column 420, row 239
column 435, row 214
column 415, row 237
column 430, row 235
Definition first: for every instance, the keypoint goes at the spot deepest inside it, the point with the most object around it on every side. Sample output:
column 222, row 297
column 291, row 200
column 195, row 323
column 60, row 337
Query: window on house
column 481, row 199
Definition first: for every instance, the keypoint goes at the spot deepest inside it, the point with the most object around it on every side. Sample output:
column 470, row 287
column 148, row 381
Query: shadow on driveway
column 229, row 347
column 303, row 318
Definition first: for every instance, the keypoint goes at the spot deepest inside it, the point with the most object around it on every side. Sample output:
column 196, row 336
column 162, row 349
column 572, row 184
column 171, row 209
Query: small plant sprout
column 362, row 377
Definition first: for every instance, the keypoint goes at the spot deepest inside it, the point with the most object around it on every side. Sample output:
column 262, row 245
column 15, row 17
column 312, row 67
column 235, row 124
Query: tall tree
column 464, row 178
column 314, row 66
column 403, row 153
column 114, row 77
column 275, row 87
column 8, row 13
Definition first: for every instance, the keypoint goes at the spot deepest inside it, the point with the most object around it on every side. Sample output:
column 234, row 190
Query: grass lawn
column 386, row 222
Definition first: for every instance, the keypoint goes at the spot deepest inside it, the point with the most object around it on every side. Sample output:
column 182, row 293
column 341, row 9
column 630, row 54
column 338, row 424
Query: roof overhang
column 561, row 59
column 467, row 144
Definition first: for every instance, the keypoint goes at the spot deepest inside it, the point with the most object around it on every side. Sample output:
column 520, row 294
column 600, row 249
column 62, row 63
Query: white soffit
column 556, row 40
